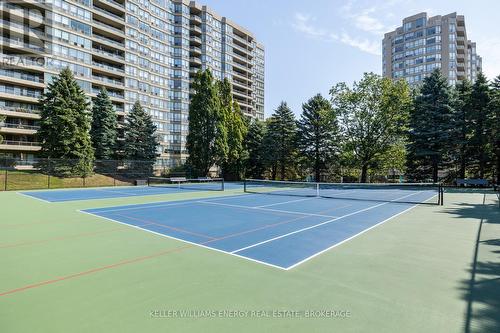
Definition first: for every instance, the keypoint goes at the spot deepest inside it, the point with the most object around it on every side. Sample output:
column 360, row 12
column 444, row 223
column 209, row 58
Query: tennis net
column 414, row 193
column 198, row 184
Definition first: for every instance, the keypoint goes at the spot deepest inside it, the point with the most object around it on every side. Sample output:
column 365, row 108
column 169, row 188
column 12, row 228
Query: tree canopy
column 318, row 134
column 373, row 116
column 65, row 125
column 103, row 131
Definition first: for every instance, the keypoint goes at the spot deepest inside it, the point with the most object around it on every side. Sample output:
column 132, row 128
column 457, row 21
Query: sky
column 312, row 45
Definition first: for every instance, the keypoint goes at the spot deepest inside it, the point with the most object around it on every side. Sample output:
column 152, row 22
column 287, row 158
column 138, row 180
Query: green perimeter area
column 427, row 270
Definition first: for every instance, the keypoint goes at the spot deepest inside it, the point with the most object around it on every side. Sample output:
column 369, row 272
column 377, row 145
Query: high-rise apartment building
column 422, row 44
column 145, row 50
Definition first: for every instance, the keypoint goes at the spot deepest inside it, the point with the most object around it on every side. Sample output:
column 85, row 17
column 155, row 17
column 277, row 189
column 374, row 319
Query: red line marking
column 134, row 260
column 5, row 246
column 94, row 270
column 167, row 226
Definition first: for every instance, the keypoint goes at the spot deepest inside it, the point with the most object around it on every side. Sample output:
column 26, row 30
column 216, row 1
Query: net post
column 245, row 185
column 223, row 186
column 442, row 195
column 317, row 190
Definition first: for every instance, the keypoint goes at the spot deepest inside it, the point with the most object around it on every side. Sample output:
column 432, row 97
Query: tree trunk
column 364, row 173
column 274, row 169
column 463, row 164
column 282, row 171
column 435, row 169
column 317, row 171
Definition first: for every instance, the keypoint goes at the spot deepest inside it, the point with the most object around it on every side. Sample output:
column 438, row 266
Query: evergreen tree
column 65, row 126
column 103, row 131
column 254, row 144
column 481, row 116
column 462, row 126
column 281, row 139
column 237, row 128
column 270, row 157
column 317, row 134
column 430, row 128
column 207, row 138
column 141, row 141
column 373, row 116
column 494, row 125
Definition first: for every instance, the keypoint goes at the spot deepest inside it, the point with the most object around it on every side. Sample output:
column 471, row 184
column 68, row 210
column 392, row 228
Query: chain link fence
column 35, row 174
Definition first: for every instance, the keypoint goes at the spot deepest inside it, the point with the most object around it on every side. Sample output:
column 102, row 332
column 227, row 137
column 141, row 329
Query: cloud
column 364, row 21
column 365, row 45
column 305, row 24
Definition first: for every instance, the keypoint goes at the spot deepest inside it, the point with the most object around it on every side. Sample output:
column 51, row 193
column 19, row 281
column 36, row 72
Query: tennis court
column 156, row 186
column 276, row 224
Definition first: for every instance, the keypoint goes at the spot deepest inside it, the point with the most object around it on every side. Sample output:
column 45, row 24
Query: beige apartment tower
column 145, row 50
column 422, row 44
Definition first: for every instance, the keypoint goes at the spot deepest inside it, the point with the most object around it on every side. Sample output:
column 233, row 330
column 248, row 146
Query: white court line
column 354, row 236
column 319, row 224
column 185, row 241
column 161, row 204
column 33, row 197
column 264, row 209
column 285, row 202
column 119, row 192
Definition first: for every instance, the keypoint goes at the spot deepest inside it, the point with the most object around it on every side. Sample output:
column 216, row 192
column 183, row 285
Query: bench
column 473, row 182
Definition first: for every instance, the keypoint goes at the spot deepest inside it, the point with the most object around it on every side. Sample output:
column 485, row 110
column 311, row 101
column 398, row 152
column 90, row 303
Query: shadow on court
column 481, row 291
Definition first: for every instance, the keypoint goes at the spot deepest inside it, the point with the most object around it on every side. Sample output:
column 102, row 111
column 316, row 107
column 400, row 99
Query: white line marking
column 319, row 224
column 119, row 192
column 348, row 239
column 264, row 209
column 185, row 241
column 159, row 204
column 33, row 197
column 285, row 202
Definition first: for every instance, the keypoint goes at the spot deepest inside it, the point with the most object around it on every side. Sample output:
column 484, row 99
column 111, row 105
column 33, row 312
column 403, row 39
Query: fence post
column 6, row 173
column 48, row 180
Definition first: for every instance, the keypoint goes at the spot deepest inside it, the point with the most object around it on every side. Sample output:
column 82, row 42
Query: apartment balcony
column 241, row 39
column 195, row 61
column 195, row 29
column 18, row 112
column 109, row 41
column 461, row 30
column 20, row 145
column 108, row 68
column 18, row 129
column 240, row 67
column 195, row 40
column 460, row 48
column 195, row 50
column 108, row 28
column 193, row 71
column 195, row 19
column 34, row 19
column 108, row 80
column 461, row 40
column 241, row 49
column 112, row 94
column 109, row 14
column 107, row 54
column 21, row 78
column 116, row 5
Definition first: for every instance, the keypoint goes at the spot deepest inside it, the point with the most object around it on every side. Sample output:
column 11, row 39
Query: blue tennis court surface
column 280, row 231
column 112, row 192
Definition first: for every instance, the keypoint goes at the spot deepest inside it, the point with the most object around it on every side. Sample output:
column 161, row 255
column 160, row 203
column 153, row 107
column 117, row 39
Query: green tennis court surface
column 430, row 269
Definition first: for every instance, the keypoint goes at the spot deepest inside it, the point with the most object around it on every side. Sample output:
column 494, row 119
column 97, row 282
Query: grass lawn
column 432, row 269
